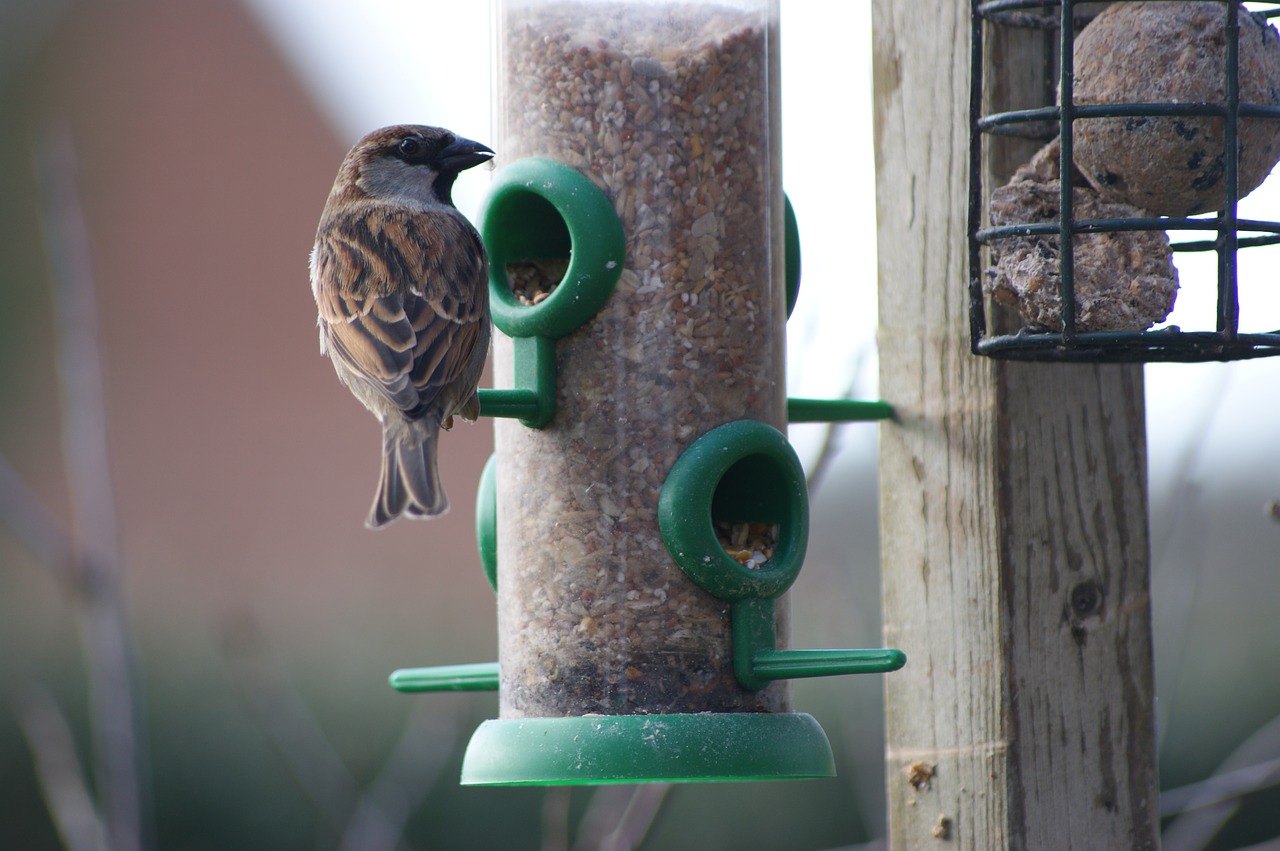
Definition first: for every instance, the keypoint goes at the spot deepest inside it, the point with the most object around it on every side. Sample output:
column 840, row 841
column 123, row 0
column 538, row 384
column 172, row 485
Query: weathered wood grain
column 1013, row 516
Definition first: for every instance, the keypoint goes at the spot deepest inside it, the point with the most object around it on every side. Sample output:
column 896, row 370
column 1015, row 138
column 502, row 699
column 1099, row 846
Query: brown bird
column 400, row 279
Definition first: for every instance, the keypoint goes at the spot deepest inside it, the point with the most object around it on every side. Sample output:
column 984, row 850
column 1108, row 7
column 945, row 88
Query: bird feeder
column 643, row 515
column 1157, row 120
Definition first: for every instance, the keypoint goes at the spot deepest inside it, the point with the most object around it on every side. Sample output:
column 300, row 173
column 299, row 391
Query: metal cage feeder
column 1062, row 116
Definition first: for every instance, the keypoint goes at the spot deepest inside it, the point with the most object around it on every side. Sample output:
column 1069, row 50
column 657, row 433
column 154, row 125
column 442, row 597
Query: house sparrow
column 400, row 278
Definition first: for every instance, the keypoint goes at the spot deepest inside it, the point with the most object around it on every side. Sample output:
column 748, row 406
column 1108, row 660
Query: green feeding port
column 742, row 474
column 746, row 473
column 555, row 245
column 556, row 250
column 542, row 233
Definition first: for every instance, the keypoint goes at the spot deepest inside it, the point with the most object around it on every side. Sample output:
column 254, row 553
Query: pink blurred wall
column 242, row 468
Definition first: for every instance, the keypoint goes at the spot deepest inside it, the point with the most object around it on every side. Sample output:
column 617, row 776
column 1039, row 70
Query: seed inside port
column 533, row 280
column 749, row 544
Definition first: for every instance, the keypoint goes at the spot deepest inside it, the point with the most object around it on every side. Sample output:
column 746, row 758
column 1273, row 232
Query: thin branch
column 830, row 447
column 1225, row 787
column 1265, row 845
column 114, row 710
column 555, row 818
column 415, row 766
column 604, row 810
column 826, row 454
column 290, row 725
column 369, row 820
column 1256, row 759
column 637, row 818
column 34, row 527
column 1183, row 501
column 619, row 817
column 58, row 771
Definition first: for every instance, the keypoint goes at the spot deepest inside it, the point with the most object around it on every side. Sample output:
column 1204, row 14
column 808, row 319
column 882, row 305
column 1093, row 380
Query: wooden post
column 1013, row 518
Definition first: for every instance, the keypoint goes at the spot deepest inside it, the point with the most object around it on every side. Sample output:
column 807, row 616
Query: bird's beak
column 462, row 154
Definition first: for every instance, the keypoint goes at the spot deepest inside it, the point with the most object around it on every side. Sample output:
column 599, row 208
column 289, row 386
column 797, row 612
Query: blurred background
column 171, row 159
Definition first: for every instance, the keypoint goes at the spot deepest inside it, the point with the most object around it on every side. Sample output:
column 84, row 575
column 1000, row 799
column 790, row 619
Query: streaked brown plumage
column 400, row 279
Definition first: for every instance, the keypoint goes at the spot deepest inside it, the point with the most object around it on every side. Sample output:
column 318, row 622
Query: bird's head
column 410, row 161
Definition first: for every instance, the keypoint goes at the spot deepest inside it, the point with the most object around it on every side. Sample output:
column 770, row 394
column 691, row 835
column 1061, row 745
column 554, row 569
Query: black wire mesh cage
column 1154, row 119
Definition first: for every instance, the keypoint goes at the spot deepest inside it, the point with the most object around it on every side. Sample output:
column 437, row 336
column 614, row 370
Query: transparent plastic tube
column 671, row 110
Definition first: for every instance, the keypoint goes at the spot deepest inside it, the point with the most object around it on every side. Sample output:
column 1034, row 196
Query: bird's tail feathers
column 409, row 484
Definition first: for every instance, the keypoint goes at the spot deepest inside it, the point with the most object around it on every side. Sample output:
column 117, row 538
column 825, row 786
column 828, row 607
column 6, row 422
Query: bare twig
column 58, row 771
column 637, row 818
column 826, row 454
column 555, row 819
column 114, row 708
column 1208, row 806
column 1221, row 788
column 290, row 725
column 1184, row 500
column 369, row 820
column 603, row 813
column 38, row 530
column 408, row 776
column 830, row 447
column 619, row 817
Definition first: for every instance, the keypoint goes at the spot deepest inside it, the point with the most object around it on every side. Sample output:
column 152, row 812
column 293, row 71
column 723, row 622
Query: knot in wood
column 1086, row 599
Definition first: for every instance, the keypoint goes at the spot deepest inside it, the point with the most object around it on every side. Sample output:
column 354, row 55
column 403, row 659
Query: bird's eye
column 409, row 147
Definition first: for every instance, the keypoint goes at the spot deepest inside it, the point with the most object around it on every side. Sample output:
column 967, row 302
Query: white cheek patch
column 387, row 178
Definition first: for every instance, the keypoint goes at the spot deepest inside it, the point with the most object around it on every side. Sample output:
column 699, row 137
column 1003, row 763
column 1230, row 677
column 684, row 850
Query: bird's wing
column 403, row 298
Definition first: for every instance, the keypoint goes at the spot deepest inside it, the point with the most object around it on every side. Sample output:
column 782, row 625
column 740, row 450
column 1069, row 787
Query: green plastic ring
column 741, row 472
column 791, row 253
column 539, row 209
column 599, row 749
column 487, row 520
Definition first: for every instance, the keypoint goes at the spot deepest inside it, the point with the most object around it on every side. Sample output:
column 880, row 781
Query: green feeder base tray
column 687, row 748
